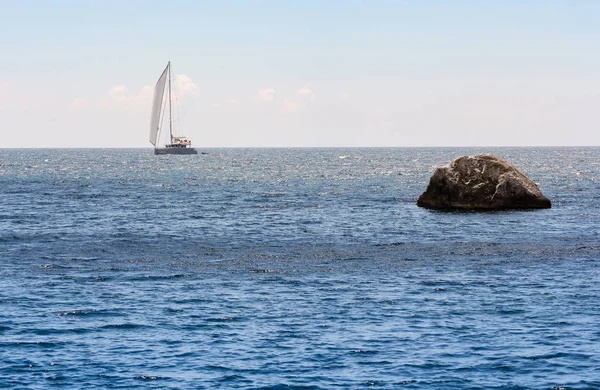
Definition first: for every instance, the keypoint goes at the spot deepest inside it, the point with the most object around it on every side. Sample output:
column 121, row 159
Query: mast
column 170, row 122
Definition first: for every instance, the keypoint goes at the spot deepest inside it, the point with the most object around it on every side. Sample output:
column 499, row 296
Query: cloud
column 266, row 95
column 146, row 91
column 118, row 93
column 77, row 104
column 344, row 96
column 185, row 86
column 307, row 90
column 118, row 98
column 234, row 102
column 290, row 106
column 305, row 93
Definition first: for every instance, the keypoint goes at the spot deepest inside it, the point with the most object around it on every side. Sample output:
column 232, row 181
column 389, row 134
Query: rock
column 481, row 182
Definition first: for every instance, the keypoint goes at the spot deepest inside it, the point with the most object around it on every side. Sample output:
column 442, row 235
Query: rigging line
column 175, row 98
column 180, row 109
column 182, row 112
column 178, row 103
column 177, row 119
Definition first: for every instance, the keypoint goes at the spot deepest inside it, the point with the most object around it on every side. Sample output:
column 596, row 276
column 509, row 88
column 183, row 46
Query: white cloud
column 118, row 93
column 266, row 95
column 185, row 86
column 307, row 91
column 77, row 104
column 234, row 102
column 344, row 96
column 290, row 106
column 118, row 98
column 146, row 91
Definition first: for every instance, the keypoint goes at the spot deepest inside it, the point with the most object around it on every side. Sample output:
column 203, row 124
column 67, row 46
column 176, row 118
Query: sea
column 307, row 268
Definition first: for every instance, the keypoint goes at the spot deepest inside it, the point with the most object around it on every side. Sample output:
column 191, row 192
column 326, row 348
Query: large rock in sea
column 481, row 182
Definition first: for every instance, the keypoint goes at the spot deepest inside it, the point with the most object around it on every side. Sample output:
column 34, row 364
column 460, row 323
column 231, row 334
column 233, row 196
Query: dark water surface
column 293, row 268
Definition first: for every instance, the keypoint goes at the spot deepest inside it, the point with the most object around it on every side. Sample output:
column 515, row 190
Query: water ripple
column 292, row 269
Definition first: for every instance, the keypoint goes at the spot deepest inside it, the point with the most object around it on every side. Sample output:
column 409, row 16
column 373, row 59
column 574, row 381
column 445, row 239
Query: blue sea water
column 293, row 268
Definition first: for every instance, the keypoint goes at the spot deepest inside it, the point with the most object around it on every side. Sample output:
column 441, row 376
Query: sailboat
column 166, row 143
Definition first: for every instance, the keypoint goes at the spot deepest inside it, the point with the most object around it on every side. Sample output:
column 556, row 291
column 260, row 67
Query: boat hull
column 175, row 151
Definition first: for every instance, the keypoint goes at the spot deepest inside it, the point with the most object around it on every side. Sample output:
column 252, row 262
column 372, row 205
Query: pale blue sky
column 305, row 73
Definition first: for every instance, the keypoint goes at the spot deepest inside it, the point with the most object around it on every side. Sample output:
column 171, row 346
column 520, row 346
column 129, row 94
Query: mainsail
column 157, row 102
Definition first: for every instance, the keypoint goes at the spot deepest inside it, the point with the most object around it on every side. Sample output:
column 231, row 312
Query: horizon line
column 308, row 147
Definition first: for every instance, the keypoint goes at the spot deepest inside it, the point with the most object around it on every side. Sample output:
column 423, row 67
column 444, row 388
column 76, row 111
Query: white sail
column 157, row 102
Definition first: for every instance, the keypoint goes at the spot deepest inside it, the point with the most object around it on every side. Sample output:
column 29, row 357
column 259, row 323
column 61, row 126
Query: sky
column 302, row 73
